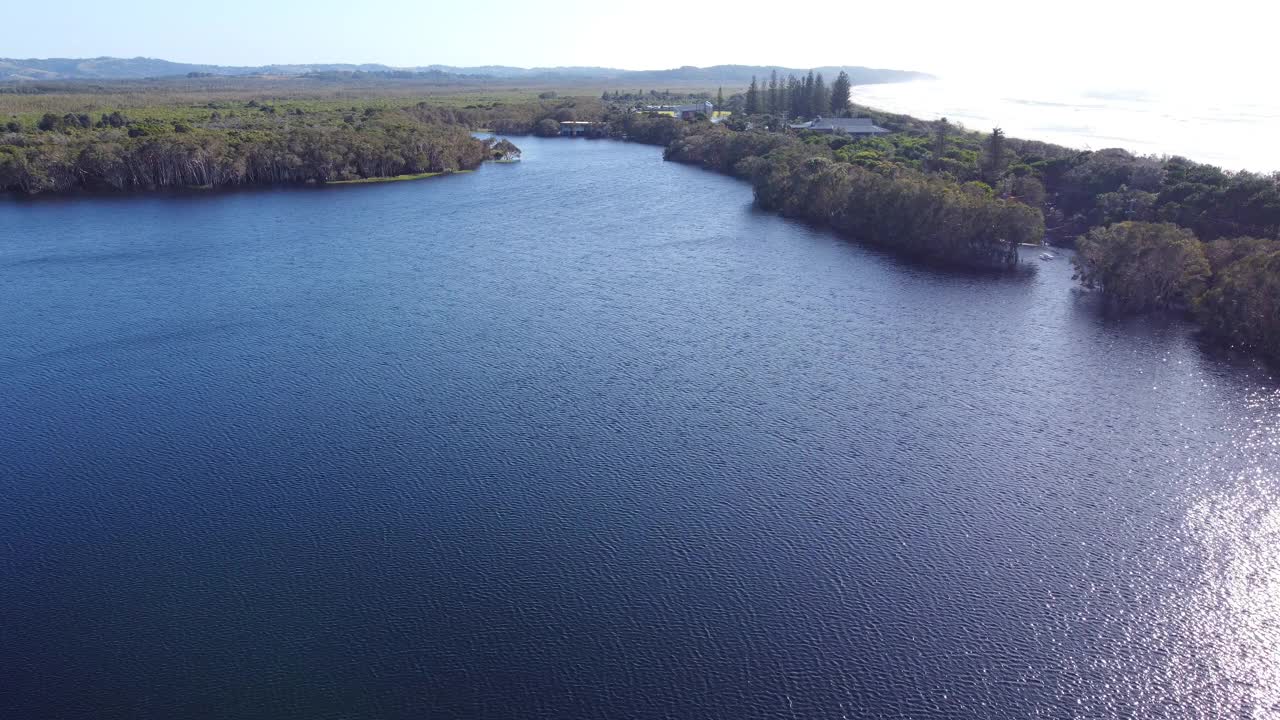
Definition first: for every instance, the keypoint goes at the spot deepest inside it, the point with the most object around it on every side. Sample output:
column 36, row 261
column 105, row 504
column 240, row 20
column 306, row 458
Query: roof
column 697, row 107
column 863, row 126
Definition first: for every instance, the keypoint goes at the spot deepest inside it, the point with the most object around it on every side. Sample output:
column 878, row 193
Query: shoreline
column 393, row 178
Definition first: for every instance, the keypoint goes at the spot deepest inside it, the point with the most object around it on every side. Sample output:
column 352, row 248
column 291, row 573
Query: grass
column 715, row 114
column 165, row 102
column 394, row 178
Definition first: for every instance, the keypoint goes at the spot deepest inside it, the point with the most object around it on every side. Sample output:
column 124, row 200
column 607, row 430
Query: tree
column 1028, row 190
column 995, row 161
column 13, row 126
column 505, row 150
column 1243, row 307
column 939, row 150
column 840, row 95
column 774, row 103
column 547, row 127
column 753, row 97
column 821, row 96
column 1142, row 266
column 795, row 96
column 720, row 99
column 807, row 107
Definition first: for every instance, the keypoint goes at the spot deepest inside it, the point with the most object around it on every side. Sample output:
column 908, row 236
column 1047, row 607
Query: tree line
column 930, row 218
column 255, row 146
column 1152, row 234
column 797, row 97
column 1231, row 286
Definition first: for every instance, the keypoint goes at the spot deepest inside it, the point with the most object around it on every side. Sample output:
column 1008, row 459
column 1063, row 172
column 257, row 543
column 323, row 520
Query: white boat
column 1046, row 256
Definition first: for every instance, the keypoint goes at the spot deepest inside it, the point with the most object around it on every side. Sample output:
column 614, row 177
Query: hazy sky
column 1101, row 43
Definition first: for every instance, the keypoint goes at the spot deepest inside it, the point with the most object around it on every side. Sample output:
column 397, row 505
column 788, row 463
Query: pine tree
column 940, row 144
column 720, row 99
column 795, row 97
column 995, row 157
column 808, row 108
column 753, row 97
column 773, row 105
column 840, row 95
column 821, row 97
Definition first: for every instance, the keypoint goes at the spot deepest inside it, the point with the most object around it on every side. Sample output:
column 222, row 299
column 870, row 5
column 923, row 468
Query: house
column 573, row 128
column 860, row 127
column 689, row 112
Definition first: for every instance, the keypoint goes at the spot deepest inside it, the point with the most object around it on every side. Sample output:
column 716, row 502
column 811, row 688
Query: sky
column 1098, row 44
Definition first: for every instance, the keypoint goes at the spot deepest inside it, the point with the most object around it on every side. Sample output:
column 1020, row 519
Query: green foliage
column 910, row 212
column 151, row 152
column 1243, row 307
column 840, row 95
column 504, row 150
column 996, row 160
column 1142, row 266
column 148, row 134
column 1123, row 204
column 938, row 149
column 1225, row 251
column 753, row 98
column 1028, row 190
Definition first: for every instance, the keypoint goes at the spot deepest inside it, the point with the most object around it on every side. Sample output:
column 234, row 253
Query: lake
column 587, row 436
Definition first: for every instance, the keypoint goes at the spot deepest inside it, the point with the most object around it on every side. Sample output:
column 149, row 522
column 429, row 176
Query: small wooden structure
column 570, row 128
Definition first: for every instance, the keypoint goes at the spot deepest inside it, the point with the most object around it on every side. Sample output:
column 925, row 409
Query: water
column 588, row 437
column 1224, row 127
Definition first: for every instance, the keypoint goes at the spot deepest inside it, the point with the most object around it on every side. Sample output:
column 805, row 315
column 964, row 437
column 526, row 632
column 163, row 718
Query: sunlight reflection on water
column 1235, row 528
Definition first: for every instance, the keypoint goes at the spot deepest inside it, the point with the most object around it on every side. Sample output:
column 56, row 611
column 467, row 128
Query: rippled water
column 587, row 436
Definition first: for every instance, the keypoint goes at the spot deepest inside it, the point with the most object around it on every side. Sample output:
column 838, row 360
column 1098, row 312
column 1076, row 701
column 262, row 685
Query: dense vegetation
column 926, row 217
column 228, row 144
column 1153, row 233
column 1143, row 266
column 1243, row 305
column 797, row 97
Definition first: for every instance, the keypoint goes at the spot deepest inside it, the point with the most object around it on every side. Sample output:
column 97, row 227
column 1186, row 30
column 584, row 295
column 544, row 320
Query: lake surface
column 589, row 437
column 1221, row 126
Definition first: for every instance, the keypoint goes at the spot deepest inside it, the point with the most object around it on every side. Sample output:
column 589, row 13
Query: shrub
column 1142, row 266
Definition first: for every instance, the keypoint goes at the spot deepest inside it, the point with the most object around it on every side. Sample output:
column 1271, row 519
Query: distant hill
column 105, row 68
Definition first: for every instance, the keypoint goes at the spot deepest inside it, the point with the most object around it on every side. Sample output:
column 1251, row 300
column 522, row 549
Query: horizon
column 1127, row 46
column 393, row 66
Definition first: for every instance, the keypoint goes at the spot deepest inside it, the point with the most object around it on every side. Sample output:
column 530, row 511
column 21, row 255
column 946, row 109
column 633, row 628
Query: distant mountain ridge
column 108, row 68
